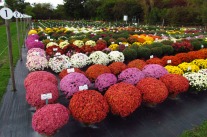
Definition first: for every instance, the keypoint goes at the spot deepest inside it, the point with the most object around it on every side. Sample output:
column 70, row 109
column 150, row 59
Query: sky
column 53, row 2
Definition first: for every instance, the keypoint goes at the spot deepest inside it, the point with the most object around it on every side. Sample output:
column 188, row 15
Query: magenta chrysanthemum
column 104, row 81
column 131, row 75
column 154, row 70
column 71, row 82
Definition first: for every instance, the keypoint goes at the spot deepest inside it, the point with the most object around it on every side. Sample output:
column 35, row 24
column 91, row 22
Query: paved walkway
column 168, row 119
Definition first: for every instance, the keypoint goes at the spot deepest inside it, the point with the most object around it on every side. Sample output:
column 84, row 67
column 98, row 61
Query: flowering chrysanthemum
column 123, row 99
column 63, row 44
column 175, row 83
column 153, row 91
column 52, row 50
column 137, row 63
column 88, row 106
column 99, row 57
column 197, row 81
column 104, row 81
column 36, row 63
column 34, row 44
column 188, row 67
column 154, row 70
column 155, row 61
column 50, row 118
column 171, row 60
column 71, row 82
column 116, row 56
column 114, row 47
column 35, row 90
column 58, row 63
column 117, row 67
column 65, row 72
column 95, row 70
column 174, row 70
column 201, row 63
column 51, row 44
column 78, row 43
column 90, row 43
column 36, row 52
column 131, row 75
column 39, row 77
column 79, row 60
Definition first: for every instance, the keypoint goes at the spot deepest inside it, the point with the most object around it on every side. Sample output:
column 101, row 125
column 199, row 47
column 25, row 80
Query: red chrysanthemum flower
column 123, row 99
column 153, row 91
column 95, row 70
column 137, row 63
column 88, row 106
column 175, row 83
column 117, row 67
column 155, row 61
column 174, row 60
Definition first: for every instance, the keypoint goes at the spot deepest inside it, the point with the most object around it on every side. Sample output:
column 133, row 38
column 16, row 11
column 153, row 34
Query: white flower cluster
column 63, row 44
column 116, row 56
column 51, row 44
column 99, row 57
column 78, row 43
column 197, row 81
column 59, row 63
column 80, row 60
column 91, row 43
column 36, row 59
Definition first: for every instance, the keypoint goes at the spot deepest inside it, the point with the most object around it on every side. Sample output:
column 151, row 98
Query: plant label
column 112, row 42
column 100, row 38
column 48, row 37
column 120, row 43
column 84, row 87
column 6, row 13
column 169, row 61
column 70, row 70
column 202, row 46
column 46, row 96
column 151, row 56
column 58, row 54
column 51, row 39
column 189, row 68
column 36, row 40
column 55, row 49
column 126, row 45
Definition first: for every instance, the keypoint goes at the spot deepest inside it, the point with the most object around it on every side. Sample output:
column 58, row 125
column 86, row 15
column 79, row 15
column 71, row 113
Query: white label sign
column 46, row 96
column 202, row 46
column 84, row 87
column 189, row 68
column 48, row 37
column 151, row 56
column 58, row 54
column 125, row 18
column 169, row 61
column 55, row 49
column 6, row 13
column 70, row 70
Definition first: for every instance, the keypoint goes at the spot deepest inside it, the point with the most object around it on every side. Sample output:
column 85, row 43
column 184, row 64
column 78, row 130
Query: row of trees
column 172, row 12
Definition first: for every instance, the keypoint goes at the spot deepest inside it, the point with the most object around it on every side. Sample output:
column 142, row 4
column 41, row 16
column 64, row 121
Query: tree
column 74, row 8
column 19, row 5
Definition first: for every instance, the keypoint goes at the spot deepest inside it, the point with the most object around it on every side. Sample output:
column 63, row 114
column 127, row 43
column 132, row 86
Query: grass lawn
column 200, row 131
column 4, row 58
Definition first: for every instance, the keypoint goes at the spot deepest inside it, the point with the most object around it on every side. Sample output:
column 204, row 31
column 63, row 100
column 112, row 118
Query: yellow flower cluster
column 174, row 32
column 201, row 63
column 63, row 44
column 188, row 67
column 32, row 31
column 113, row 46
column 174, row 70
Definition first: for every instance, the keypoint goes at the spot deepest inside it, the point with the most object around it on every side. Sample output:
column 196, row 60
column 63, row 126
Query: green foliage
column 196, row 44
column 167, row 42
column 167, row 50
column 130, row 54
column 157, row 51
column 143, row 52
column 200, row 131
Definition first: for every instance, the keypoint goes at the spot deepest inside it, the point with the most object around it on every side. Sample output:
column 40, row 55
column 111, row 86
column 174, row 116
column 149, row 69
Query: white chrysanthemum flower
column 99, row 57
column 80, row 60
column 116, row 56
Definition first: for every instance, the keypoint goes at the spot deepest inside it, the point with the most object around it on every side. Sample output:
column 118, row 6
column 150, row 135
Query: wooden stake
column 10, row 54
column 18, row 39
